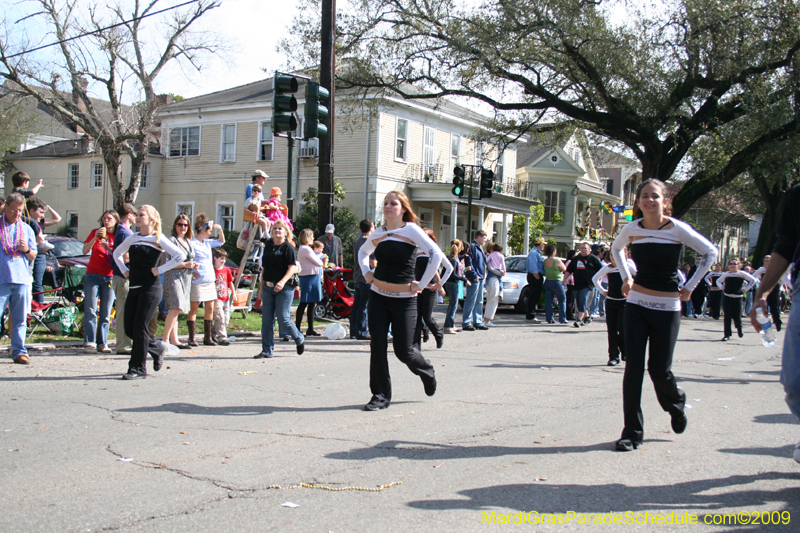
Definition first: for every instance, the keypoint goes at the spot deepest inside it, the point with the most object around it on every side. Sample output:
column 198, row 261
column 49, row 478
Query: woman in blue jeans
column 97, row 285
column 451, row 287
column 278, row 265
column 553, row 286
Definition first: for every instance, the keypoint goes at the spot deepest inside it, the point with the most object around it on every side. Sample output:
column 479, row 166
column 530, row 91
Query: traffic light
column 487, row 183
column 458, row 181
column 284, row 104
column 318, row 99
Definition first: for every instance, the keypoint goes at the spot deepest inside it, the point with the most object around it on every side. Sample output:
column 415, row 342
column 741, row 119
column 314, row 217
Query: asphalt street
column 524, row 419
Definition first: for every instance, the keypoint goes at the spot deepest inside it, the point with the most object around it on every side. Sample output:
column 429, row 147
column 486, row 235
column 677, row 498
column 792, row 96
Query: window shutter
column 562, row 206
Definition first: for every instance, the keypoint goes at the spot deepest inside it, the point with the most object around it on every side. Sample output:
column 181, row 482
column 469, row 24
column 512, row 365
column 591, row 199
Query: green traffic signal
column 284, row 104
column 316, row 110
column 458, row 181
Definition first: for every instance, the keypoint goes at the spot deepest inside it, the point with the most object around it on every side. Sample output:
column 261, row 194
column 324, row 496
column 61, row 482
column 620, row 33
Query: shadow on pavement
column 237, row 410
column 698, row 497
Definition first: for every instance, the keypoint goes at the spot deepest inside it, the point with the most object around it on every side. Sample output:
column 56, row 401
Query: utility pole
column 327, row 80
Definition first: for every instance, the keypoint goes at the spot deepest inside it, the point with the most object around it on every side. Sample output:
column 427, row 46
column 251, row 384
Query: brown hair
column 496, row 247
column 109, row 212
column 549, row 249
column 200, row 221
column 318, row 244
column 431, row 235
column 409, row 215
column 306, row 237
column 219, row 252
column 637, row 211
column 189, row 232
column 19, row 178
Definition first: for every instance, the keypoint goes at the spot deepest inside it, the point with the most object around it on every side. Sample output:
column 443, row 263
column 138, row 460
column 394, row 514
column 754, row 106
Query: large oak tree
column 655, row 78
column 117, row 50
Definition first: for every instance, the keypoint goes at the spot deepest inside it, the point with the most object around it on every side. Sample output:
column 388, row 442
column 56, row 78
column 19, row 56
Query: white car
column 515, row 284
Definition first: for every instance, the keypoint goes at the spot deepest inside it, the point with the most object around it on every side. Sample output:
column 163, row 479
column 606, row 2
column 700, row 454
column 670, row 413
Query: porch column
column 527, row 246
column 504, row 233
column 481, row 216
column 453, row 220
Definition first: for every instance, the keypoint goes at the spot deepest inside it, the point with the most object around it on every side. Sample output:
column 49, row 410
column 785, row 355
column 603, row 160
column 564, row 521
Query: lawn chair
column 44, row 313
column 73, row 282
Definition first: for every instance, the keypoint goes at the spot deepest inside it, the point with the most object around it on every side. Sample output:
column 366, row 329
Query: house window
column 401, row 140
column 225, row 216
column 72, row 222
column 429, row 151
column 97, row 176
column 265, row 142
column 455, row 150
column 184, row 141
column 228, row 151
column 501, row 162
column 185, row 208
column 609, row 186
column 553, row 202
column 72, row 176
column 144, row 183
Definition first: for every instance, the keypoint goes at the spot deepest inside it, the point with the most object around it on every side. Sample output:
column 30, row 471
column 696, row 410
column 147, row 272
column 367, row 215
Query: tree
column 113, row 49
column 16, row 123
column 655, row 83
column 538, row 227
column 344, row 219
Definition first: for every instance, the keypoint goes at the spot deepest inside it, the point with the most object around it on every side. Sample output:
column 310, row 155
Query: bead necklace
column 11, row 243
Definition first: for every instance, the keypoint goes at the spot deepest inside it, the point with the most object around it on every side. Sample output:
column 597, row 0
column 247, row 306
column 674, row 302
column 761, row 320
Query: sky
column 251, row 30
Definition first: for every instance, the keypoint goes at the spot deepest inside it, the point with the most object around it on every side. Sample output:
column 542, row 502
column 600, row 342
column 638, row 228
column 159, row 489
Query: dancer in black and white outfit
column 653, row 310
column 394, row 291
column 734, row 283
column 615, row 307
column 714, row 292
column 773, row 298
column 145, row 249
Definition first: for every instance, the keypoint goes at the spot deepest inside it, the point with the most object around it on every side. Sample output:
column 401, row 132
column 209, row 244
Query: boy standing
column 225, row 288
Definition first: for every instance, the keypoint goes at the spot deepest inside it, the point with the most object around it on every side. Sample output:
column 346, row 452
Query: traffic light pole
column 289, row 184
column 469, row 203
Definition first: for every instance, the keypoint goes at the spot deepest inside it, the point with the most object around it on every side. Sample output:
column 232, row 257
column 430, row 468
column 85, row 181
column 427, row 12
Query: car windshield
column 68, row 249
column 516, row 264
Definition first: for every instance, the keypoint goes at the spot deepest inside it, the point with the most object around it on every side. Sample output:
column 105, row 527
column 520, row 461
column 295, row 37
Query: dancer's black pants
column 425, row 302
column 401, row 314
column 660, row 328
column 140, row 308
column 615, row 315
column 732, row 309
column 774, row 303
column 714, row 303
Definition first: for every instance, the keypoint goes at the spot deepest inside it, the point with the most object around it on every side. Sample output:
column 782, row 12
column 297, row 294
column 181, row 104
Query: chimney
column 164, row 99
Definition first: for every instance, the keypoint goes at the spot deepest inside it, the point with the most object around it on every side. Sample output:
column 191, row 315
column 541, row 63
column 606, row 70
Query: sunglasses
column 182, row 225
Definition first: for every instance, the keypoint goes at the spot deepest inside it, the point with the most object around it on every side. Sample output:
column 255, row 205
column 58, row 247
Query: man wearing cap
column 259, row 178
column 332, row 246
column 535, row 267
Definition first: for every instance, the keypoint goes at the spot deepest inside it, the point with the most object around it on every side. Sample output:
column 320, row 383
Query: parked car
column 515, row 284
column 247, row 279
column 66, row 251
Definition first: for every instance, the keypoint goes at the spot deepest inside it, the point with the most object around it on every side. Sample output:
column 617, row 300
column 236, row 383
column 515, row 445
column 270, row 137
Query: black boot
column 207, row 340
column 191, row 341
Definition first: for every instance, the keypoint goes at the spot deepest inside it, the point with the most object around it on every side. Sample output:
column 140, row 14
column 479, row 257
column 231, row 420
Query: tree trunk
column 774, row 198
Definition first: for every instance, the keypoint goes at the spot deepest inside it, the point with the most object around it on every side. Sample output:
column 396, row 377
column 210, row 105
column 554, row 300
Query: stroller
column 337, row 301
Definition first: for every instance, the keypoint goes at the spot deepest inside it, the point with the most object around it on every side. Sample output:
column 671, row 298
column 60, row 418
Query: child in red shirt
column 225, row 290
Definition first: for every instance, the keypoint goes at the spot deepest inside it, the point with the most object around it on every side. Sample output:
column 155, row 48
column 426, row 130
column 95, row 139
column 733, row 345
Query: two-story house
column 213, row 143
column 563, row 175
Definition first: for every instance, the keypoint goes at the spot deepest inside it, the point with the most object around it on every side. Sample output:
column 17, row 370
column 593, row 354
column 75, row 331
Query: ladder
column 248, row 217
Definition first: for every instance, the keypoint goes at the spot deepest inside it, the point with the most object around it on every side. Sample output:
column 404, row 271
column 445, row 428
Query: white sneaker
column 489, row 324
column 44, row 246
column 797, row 452
column 90, row 348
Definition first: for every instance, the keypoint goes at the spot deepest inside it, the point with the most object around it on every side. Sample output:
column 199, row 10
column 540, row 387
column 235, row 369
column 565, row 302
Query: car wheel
column 522, row 304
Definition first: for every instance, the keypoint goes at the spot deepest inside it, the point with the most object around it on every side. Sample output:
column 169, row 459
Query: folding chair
column 73, row 282
column 41, row 312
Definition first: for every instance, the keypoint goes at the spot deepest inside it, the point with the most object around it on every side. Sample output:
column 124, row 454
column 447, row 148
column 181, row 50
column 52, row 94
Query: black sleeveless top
column 657, row 265
column 396, row 261
column 734, row 284
column 615, row 286
column 143, row 258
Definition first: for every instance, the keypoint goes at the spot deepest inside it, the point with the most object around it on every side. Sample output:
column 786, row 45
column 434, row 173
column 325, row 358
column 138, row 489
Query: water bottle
column 768, row 335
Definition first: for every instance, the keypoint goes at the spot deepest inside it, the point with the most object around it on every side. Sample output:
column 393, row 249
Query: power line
column 100, row 29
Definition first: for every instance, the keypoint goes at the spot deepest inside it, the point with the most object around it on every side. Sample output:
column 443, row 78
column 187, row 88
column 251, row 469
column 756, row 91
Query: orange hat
column 275, row 191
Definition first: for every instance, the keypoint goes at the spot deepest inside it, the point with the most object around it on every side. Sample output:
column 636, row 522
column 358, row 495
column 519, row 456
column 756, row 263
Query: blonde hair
column 455, row 246
column 306, row 237
column 285, row 226
column 155, row 218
